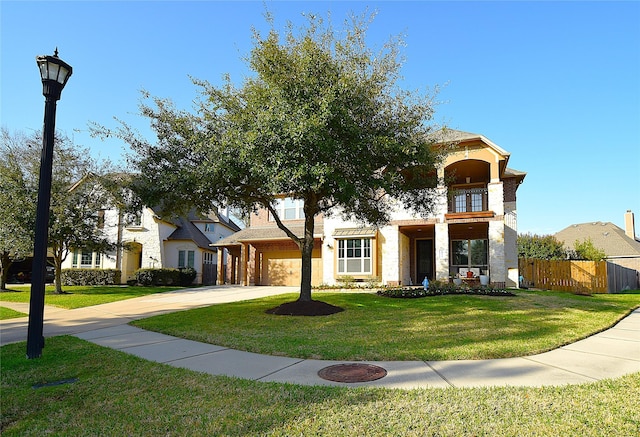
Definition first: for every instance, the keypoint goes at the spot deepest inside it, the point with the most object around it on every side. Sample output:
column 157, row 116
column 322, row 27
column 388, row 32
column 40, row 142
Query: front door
column 424, row 260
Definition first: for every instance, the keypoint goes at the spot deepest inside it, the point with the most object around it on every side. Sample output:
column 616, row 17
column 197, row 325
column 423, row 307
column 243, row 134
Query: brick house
column 472, row 232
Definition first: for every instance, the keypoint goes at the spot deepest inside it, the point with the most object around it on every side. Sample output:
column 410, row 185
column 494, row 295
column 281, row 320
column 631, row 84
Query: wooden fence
column 573, row 276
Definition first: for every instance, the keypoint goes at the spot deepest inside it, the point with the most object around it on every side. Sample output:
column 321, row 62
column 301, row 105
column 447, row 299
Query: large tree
column 77, row 195
column 321, row 119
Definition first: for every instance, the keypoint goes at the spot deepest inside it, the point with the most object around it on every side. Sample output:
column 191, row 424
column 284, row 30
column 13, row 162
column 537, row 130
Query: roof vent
column 605, row 234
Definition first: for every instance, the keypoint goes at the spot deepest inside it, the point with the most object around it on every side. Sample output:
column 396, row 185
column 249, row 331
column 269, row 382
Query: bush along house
column 470, row 236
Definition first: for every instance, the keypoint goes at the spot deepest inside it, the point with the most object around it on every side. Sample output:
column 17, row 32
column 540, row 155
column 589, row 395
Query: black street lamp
column 55, row 73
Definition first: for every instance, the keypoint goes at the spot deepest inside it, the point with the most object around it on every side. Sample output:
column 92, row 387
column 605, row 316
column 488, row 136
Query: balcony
column 469, row 203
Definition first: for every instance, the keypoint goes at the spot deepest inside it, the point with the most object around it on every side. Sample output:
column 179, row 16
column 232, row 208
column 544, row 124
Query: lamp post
column 54, row 73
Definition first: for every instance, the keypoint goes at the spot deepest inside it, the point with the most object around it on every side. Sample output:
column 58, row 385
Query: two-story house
column 146, row 240
column 472, row 232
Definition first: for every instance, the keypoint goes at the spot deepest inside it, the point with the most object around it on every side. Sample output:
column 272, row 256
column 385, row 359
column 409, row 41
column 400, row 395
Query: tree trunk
column 5, row 262
column 57, row 260
column 306, row 250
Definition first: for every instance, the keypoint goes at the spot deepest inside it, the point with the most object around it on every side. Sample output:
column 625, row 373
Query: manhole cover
column 352, row 373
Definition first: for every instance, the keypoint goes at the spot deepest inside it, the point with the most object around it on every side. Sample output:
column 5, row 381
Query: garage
column 285, row 267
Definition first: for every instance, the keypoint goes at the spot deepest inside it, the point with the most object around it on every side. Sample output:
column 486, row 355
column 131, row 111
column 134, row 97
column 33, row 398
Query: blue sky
column 557, row 84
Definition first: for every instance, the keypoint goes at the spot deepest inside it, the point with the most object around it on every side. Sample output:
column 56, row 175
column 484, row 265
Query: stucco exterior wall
column 171, row 250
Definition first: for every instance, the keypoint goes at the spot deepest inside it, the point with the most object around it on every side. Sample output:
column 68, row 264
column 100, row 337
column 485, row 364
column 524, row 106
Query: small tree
column 76, row 198
column 322, row 120
column 540, row 247
column 585, row 250
column 17, row 194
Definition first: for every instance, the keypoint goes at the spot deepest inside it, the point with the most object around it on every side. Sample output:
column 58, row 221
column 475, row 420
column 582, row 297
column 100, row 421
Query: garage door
column 285, row 268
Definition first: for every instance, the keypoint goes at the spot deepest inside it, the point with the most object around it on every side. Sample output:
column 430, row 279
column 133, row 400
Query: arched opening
column 131, row 260
column 467, row 182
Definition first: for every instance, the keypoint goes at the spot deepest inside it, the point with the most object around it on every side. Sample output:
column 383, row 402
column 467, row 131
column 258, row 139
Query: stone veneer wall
column 497, row 270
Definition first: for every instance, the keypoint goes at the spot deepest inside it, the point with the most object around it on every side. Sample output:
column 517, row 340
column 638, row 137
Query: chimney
column 629, row 226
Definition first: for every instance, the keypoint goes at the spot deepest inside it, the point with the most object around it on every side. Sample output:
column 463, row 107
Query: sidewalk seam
column 440, row 374
column 280, row 369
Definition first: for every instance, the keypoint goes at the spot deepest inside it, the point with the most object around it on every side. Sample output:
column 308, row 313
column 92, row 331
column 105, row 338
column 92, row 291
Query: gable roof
column 264, row 233
column 188, row 231
column 446, row 135
column 212, row 217
column 604, row 235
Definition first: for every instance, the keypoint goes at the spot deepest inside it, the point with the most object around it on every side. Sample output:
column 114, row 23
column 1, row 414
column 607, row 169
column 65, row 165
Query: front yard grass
column 379, row 328
column 116, row 394
column 81, row 296
column 8, row 313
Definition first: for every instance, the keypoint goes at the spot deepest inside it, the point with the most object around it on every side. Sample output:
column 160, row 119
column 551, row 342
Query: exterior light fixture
column 54, row 73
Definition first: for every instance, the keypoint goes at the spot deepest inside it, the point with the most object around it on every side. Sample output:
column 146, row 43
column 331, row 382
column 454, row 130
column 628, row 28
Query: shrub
column 540, row 247
column 349, row 282
column 90, row 277
column 439, row 288
column 346, row 281
column 157, row 276
column 187, row 275
column 586, row 250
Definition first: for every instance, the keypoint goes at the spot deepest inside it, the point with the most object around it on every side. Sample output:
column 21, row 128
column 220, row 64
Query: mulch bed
column 305, row 308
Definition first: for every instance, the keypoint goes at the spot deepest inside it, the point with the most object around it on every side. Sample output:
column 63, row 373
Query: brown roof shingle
column 604, row 235
column 265, row 233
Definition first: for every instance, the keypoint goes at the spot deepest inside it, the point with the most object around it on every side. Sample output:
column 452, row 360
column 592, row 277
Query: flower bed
column 437, row 288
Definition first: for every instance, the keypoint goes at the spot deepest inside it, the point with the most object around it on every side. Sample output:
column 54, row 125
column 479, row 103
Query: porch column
column 442, row 251
column 496, row 197
column 220, row 269
column 243, row 277
column 497, row 266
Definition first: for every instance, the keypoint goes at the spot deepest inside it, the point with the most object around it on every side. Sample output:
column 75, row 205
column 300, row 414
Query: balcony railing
column 469, row 200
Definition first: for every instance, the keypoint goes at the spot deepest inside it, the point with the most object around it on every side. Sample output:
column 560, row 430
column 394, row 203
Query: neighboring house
column 474, row 228
column 622, row 247
column 148, row 241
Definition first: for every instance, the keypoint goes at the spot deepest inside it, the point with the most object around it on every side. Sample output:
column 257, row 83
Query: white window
column 354, row 256
column 288, row 209
column 86, row 260
column 208, row 227
column 186, row 258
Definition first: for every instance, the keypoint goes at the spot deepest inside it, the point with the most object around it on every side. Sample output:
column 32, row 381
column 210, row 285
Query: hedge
column 90, row 277
column 165, row 276
column 157, row 276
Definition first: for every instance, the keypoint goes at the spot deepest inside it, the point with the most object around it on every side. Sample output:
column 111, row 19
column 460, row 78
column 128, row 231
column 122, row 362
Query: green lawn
column 8, row 313
column 81, row 296
column 373, row 327
column 117, row 394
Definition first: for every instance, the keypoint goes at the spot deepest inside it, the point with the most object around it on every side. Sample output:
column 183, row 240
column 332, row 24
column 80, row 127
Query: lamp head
column 54, row 73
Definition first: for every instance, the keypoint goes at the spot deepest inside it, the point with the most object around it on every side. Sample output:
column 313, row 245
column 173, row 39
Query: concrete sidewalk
column 609, row 354
column 60, row 321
